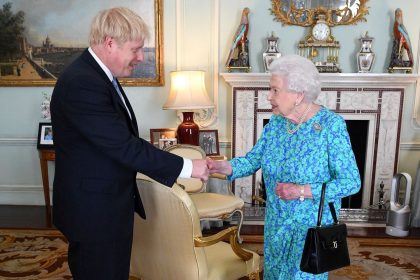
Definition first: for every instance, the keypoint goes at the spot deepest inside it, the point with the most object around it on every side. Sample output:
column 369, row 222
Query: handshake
column 203, row 168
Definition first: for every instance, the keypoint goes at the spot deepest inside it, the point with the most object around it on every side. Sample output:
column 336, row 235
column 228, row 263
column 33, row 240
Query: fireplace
column 371, row 104
column 358, row 131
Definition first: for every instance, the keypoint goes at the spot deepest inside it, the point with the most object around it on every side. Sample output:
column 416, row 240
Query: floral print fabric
column 319, row 151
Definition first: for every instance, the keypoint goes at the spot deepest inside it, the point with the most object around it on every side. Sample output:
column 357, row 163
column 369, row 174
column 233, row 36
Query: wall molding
column 203, row 117
column 22, row 195
column 18, row 141
column 406, row 146
column 410, row 146
column 226, row 144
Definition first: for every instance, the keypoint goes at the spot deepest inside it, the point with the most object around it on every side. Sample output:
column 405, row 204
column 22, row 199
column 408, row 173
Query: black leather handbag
column 325, row 247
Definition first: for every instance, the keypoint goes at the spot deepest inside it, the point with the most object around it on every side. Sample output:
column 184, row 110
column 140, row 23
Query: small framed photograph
column 166, row 142
column 161, row 133
column 209, row 141
column 45, row 136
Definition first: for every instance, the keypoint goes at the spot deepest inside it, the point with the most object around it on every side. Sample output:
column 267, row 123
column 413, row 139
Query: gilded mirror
column 304, row 12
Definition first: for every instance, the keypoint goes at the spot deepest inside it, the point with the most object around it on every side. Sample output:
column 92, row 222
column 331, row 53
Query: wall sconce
column 188, row 92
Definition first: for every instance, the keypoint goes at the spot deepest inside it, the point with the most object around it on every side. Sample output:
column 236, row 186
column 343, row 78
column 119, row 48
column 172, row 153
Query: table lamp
column 188, row 92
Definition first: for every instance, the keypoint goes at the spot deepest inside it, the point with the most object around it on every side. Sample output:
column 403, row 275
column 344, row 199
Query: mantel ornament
column 402, row 53
column 365, row 57
column 271, row 53
column 238, row 58
column 45, row 106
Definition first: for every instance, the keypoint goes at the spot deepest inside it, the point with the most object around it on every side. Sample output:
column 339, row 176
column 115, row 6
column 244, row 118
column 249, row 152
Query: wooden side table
column 44, row 157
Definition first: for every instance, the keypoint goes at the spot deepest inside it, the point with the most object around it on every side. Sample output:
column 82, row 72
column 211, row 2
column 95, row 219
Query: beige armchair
column 210, row 206
column 169, row 243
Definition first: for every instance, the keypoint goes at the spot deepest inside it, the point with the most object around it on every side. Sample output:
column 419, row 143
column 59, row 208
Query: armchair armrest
column 218, row 176
column 222, row 235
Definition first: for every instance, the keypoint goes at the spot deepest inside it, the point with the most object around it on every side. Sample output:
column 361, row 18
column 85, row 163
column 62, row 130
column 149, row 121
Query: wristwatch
column 302, row 193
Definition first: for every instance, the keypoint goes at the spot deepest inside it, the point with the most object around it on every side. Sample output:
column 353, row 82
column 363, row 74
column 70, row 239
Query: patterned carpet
column 33, row 254
column 381, row 258
column 42, row 254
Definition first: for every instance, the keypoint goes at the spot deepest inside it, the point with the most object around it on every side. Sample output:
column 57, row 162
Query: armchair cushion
column 214, row 205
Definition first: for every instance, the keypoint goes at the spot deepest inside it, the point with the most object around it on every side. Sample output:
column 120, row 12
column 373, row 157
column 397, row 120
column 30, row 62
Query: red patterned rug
column 42, row 254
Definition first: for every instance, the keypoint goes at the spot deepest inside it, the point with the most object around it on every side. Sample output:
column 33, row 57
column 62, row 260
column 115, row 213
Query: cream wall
column 197, row 35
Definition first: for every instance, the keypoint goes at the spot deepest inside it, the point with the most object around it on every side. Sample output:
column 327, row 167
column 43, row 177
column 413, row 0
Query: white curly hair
column 301, row 75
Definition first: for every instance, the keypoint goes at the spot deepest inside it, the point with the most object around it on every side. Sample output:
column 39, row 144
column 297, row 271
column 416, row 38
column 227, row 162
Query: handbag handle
column 321, row 207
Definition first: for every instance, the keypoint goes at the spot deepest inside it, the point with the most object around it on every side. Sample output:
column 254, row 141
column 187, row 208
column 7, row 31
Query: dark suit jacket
column 98, row 153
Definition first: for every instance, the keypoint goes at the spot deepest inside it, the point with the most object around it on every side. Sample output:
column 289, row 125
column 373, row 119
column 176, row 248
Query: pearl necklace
column 300, row 121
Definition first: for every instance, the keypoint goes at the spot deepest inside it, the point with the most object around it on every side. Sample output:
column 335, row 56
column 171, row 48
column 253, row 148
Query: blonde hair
column 120, row 23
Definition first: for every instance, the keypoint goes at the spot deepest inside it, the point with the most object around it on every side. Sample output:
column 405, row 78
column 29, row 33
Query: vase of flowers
column 45, row 106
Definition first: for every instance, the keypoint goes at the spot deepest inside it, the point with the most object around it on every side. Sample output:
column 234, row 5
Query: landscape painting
column 39, row 38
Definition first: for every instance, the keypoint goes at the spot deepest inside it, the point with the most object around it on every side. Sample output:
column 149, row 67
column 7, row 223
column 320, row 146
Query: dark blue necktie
column 117, row 88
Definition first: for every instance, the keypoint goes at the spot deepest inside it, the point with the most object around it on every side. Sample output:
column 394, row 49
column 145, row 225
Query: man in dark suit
column 99, row 152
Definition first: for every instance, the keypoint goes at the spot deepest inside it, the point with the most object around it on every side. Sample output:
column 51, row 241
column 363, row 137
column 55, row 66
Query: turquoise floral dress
column 319, row 151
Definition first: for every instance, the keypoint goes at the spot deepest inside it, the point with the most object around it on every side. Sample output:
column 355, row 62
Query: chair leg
column 241, row 219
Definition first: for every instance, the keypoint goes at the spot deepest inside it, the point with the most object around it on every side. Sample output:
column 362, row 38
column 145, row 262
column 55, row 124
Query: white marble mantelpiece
column 377, row 98
column 328, row 79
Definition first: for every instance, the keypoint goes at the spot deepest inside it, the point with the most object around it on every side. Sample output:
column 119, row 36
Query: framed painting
column 45, row 136
column 162, row 137
column 209, row 141
column 40, row 39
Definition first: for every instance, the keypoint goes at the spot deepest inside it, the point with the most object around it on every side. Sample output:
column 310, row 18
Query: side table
column 44, row 157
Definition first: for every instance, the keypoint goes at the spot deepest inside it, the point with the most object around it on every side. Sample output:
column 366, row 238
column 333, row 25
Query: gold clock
column 321, row 31
column 321, row 47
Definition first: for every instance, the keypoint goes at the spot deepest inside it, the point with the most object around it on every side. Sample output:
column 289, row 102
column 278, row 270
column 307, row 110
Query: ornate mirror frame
column 286, row 12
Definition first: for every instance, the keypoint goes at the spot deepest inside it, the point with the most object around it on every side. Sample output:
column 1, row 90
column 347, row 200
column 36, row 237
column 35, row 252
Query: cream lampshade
column 188, row 92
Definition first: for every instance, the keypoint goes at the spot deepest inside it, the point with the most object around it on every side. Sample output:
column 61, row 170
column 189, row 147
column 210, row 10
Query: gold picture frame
column 304, row 13
column 41, row 52
column 159, row 135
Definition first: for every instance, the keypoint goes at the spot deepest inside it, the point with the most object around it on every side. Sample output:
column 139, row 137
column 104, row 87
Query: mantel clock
column 321, row 47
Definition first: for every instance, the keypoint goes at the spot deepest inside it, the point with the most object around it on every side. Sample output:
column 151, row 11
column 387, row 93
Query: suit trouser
column 100, row 260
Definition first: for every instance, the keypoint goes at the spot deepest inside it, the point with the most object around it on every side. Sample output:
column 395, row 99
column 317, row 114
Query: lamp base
column 188, row 130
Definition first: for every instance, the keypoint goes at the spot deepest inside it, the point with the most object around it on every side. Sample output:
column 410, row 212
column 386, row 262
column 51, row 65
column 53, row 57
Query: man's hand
column 219, row 166
column 200, row 170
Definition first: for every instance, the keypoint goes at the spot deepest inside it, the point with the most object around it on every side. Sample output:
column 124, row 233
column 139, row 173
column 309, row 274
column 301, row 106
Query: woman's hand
column 290, row 191
column 219, row 166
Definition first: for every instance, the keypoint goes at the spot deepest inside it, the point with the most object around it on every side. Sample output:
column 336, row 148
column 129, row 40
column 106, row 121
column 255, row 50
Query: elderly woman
column 303, row 146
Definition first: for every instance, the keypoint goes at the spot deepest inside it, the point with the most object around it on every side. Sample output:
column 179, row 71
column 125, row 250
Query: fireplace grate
column 256, row 213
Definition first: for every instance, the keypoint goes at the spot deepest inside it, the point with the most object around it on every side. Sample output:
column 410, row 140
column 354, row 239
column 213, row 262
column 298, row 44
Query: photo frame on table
column 161, row 137
column 45, row 136
column 209, row 141
column 29, row 57
column 166, row 142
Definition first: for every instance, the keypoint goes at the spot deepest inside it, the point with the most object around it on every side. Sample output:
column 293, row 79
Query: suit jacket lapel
column 133, row 122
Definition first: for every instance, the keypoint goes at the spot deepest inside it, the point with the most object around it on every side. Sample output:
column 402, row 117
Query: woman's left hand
column 288, row 191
